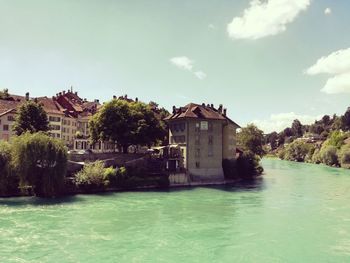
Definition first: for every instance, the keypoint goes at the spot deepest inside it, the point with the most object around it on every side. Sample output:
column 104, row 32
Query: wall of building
column 204, row 158
column 229, row 141
column 55, row 124
column 6, row 124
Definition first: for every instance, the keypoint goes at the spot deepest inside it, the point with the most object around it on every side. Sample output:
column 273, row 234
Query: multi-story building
column 205, row 136
column 67, row 114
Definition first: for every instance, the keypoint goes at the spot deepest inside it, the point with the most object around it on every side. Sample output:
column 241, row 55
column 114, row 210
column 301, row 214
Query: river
column 296, row 213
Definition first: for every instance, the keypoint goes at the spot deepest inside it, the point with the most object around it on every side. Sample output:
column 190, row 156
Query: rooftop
column 197, row 111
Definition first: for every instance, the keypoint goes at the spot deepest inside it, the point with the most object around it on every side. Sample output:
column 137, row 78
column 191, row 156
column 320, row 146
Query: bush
column 230, row 169
column 94, row 176
column 329, row 155
column 344, row 156
column 8, row 179
column 316, row 157
column 245, row 167
column 336, row 139
column 299, row 151
column 40, row 162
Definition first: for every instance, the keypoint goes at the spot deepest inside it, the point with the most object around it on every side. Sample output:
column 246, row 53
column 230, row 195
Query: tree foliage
column 31, row 117
column 8, row 179
column 126, row 123
column 298, row 151
column 40, row 162
column 251, row 139
column 4, row 94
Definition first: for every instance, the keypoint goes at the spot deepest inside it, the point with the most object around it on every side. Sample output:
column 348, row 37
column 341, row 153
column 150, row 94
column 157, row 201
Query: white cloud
column 265, row 18
column 337, row 64
column 278, row 122
column 186, row 63
column 200, row 74
column 328, row 11
column 182, row 62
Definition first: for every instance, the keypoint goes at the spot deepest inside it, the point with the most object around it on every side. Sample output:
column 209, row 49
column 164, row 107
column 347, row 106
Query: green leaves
column 126, row 123
column 31, row 118
column 251, row 139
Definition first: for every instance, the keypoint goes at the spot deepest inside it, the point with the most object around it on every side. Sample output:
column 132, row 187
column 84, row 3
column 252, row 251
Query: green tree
column 126, row 123
column 336, row 139
column 297, row 129
column 40, row 162
column 31, row 118
column 4, row 94
column 251, row 139
column 298, row 151
column 8, row 179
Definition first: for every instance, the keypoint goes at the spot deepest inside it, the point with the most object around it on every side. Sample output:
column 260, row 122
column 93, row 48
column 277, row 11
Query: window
column 197, row 140
column 6, row 127
column 210, row 139
column 210, row 127
column 210, row 151
column 198, row 153
column 204, row 125
column 198, row 165
column 10, row 118
column 54, row 119
column 55, row 127
column 197, row 127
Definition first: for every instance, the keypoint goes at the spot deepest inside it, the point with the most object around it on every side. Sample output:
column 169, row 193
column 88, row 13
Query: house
column 205, row 136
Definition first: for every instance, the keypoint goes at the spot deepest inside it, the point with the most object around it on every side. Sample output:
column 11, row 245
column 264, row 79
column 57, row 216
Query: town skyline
column 176, row 53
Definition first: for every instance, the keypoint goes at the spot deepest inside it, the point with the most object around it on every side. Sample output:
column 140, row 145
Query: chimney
column 71, row 89
column 212, row 106
column 203, row 104
column 208, row 105
column 114, row 97
column 68, row 91
column 174, row 109
column 97, row 101
column 220, row 108
column 125, row 96
column 27, row 96
column 64, row 92
column 225, row 111
column 60, row 93
column 76, row 93
column 53, row 98
column 137, row 99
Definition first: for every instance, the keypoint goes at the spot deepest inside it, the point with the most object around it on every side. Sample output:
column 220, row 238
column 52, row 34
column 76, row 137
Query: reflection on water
column 294, row 213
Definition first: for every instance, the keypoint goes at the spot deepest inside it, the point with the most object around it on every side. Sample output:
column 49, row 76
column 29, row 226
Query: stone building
column 206, row 136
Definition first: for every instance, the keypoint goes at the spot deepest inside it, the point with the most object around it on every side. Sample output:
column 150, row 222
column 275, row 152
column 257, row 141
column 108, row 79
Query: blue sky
column 261, row 59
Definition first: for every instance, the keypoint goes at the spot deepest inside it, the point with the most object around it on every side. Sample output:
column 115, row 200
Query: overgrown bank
column 334, row 151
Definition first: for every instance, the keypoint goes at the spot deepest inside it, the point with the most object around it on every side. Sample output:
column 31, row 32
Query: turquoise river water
column 296, row 213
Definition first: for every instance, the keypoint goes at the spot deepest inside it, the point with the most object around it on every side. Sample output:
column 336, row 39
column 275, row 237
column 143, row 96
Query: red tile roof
column 50, row 105
column 196, row 111
column 8, row 105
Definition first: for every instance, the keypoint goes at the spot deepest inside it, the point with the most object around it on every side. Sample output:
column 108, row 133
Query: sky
column 268, row 62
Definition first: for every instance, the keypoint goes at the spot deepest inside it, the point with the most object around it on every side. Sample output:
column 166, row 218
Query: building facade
column 205, row 136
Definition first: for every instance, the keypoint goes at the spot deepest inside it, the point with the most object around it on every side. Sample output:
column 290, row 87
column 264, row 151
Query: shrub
column 344, row 156
column 94, row 175
column 244, row 167
column 299, row 151
column 316, row 157
column 230, row 169
column 329, row 155
column 336, row 139
column 8, row 179
column 40, row 162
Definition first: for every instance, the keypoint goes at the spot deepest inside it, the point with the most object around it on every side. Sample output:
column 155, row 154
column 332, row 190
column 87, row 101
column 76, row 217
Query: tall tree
column 126, row 123
column 4, row 94
column 297, row 128
column 31, row 117
column 251, row 139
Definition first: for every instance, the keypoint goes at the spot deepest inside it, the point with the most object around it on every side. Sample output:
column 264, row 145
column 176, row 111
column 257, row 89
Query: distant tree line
column 321, row 128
